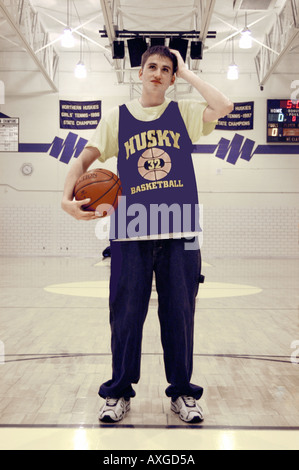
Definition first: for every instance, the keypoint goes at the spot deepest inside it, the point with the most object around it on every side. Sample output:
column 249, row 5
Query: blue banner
column 80, row 114
column 240, row 119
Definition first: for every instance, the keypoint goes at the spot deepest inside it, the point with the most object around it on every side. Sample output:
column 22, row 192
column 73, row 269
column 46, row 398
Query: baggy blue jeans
column 178, row 274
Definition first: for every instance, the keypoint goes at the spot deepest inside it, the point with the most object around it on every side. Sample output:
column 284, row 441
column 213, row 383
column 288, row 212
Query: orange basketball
column 103, row 188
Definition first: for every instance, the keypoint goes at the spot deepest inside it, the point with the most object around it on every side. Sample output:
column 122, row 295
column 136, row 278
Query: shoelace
column 189, row 401
column 111, row 401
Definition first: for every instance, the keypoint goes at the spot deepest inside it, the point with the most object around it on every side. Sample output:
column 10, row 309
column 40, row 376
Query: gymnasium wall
column 251, row 208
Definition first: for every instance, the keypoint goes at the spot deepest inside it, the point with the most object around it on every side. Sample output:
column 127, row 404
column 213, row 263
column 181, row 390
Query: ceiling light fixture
column 67, row 38
column 246, row 38
column 233, row 71
column 80, row 69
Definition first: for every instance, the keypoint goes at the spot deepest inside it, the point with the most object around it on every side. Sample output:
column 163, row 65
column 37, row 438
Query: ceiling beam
column 109, row 26
column 74, row 30
column 26, row 45
column 238, row 31
column 284, row 34
column 207, row 9
column 268, row 72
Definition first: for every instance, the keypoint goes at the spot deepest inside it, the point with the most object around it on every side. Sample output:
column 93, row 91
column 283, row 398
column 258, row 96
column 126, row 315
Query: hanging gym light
column 67, row 38
column 246, row 38
column 80, row 69
column 233, row 71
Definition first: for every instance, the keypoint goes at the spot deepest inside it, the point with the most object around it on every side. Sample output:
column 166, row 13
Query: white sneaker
column 188, row 410
column 114, row 410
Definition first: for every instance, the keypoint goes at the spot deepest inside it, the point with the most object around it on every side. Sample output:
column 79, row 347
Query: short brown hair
column 162, row 51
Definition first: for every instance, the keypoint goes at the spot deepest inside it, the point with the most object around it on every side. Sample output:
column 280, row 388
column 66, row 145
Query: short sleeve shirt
column 105, row 137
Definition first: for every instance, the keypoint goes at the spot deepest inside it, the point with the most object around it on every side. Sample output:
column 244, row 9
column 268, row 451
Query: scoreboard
column 283, row 121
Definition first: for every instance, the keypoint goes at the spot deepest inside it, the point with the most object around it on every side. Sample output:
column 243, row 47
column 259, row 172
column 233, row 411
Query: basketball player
column 152, row 139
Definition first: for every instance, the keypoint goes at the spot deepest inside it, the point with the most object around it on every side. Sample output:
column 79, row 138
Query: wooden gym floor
column 55, row 352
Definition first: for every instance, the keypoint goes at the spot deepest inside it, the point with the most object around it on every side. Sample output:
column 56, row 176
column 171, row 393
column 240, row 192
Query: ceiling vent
column 256, row 5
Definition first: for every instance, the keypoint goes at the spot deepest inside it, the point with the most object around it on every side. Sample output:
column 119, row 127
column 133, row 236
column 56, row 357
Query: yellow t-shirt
column 105, row 138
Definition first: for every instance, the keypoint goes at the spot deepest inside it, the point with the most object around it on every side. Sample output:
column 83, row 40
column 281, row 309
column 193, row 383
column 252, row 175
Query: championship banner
column 80, row 114
column 240, row 119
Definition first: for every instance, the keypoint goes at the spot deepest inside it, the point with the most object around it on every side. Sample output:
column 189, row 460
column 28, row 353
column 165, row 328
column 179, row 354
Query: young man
column 152, row 139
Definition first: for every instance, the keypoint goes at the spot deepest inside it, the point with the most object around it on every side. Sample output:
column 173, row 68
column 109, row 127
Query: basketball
column 102, row 187
column 154, row 164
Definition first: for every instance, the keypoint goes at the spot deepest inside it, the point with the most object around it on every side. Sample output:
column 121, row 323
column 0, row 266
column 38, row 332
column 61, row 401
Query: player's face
column 157, row 74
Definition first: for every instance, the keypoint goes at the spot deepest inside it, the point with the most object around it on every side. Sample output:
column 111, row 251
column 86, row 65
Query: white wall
column 251, row 209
